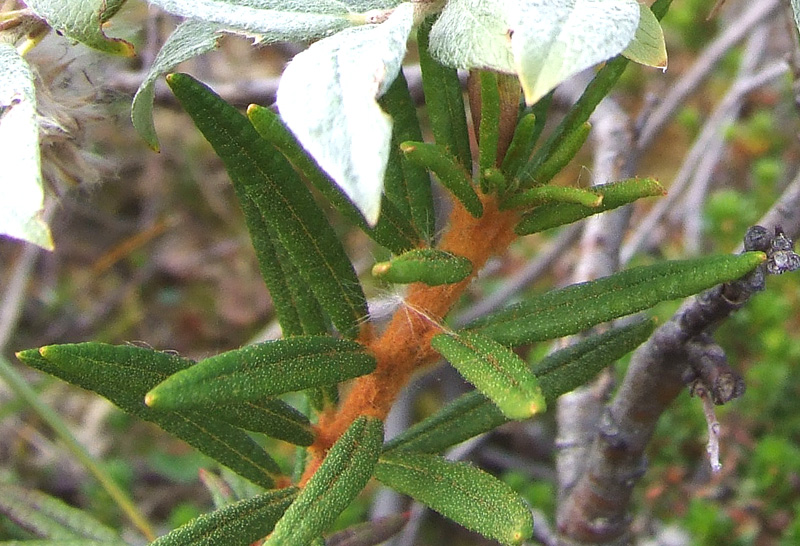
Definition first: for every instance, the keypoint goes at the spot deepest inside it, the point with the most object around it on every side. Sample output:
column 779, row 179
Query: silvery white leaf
column 21, row 190
column 327, row 97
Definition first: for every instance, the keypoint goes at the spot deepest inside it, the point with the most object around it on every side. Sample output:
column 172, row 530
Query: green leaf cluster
column 335, row 135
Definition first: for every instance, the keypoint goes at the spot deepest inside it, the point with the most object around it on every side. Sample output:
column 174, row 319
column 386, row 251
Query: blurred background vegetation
column 152, row 249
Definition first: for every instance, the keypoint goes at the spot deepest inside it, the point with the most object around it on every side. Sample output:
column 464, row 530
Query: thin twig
column 710, row 133
column 703, row 67
column 695, row 198
column 595, row 512
column 14, row 297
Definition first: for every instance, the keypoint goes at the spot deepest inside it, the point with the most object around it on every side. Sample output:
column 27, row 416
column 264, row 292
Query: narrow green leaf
column 615, row 194
column 222, row 442
column 265, row 369
column 284, row 202
column 447, row 169
column 648, row 47
column 52, row 518
column 561, row 155
column 542, row 195
column 22, row 187
column 564, row 370
column 341, row 476
column 444, row 100
column 560, row 372
column 495, row 370
column 82, row 21
column 244, row 522
column 598, row 88
column 427, row 265
column 327, row 97
column 527, row 133
column 124, row 374
column 493, row 180
column 292, row 300
column 407, row 185
column 572, row 309
column 460, row 492
column 302, row 301
column 488, row 131
column 522, row 144
column 190, row 39
column 28, row 396
column 274, row 418
column 393, row 230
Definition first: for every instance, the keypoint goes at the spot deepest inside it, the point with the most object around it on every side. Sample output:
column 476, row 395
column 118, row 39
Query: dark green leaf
column 295, row 305
column 124, row 374
column 598, row 88
column 393, row 230
column 560, row 372
column 614, row 195
column 574, row 308
column 450, row 173
column 561, row 155
column 495, row 370
column 341, row 476
column 407, row 185
column 286, row 205
column 445, row 101
column 460, row 492
column 265, row 369
column 527, row 133
column 243, row 522
column 310, row 316
column 489, row 135
column 427, row 265
column 274, row 418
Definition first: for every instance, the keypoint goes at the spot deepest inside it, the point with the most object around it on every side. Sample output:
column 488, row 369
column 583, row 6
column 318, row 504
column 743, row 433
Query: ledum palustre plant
column 347, row 127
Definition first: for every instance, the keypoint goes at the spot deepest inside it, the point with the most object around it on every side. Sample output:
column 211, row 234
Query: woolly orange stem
column 404, row 347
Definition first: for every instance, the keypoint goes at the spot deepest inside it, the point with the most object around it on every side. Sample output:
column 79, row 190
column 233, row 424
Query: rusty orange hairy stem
column 404, row 347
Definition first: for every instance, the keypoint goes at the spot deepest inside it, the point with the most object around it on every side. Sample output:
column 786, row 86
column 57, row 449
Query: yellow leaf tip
column 381, row 268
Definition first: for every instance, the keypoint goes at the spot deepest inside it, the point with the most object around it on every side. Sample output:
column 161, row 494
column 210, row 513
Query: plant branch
column 578, row 411
column 404, row 347
column 595, row 512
